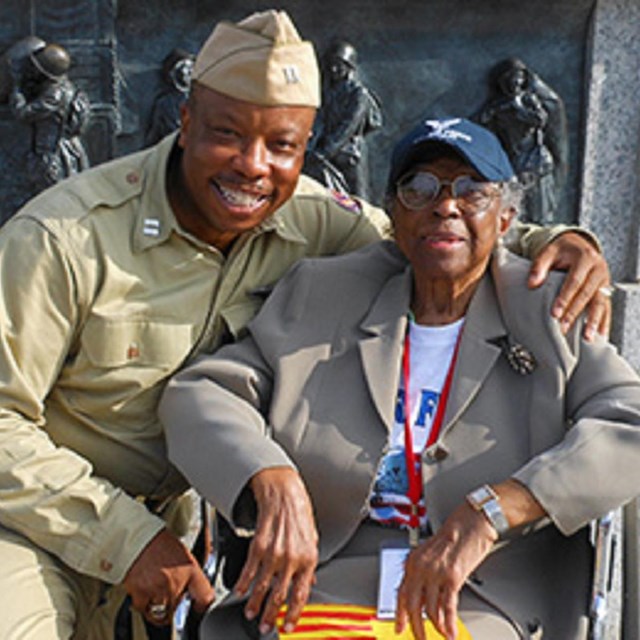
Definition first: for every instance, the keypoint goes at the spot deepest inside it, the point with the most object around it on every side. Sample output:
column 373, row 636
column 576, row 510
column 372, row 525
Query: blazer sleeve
column 214, row 410
column 596, row 466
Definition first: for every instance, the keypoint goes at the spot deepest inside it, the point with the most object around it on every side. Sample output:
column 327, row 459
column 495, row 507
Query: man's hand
column 436, row 571
column 284, row 551
column 586, row 286
column 161, row 574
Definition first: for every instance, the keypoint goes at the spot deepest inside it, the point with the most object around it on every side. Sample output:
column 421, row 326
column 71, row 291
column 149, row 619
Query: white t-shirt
column 431, row 352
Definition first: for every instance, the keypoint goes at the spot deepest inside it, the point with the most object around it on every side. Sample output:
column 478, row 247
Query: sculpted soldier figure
column 165, row 116
column 529, row 118
column 57, row 111
column 349, row 112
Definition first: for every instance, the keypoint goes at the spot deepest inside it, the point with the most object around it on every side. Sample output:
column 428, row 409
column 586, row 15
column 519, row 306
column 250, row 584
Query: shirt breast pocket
column 155, row 344
column 122, row 366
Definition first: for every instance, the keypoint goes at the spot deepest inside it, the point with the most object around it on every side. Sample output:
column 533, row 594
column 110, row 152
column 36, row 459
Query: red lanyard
column 413, row 473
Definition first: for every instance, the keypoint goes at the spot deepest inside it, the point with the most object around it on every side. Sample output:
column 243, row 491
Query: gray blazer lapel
column 381, row 348
column 477, row 353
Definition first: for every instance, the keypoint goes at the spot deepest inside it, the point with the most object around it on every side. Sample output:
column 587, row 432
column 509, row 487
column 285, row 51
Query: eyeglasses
column 419, row 190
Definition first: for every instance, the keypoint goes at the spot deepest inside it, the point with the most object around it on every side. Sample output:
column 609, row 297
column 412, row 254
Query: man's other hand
column 586, row 286
column 161, row 575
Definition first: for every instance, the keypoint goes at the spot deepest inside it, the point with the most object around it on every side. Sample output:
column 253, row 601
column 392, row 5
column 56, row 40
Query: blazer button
column 437, row 453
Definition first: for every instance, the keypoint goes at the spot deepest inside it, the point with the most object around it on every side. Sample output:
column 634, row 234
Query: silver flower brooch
column 520, row 359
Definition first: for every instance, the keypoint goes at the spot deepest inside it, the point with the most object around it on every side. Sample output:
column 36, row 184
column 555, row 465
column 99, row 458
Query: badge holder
column 393, row 556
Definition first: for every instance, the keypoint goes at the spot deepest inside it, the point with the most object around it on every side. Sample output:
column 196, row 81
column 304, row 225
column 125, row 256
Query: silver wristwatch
column 485, row 499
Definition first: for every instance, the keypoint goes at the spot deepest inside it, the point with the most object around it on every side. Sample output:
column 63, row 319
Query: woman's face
column 446, row 239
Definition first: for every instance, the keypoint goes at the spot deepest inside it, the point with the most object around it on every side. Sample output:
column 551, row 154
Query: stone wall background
column 423, row 58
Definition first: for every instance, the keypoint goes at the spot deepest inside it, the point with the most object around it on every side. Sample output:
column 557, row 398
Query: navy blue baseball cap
column 475, row 143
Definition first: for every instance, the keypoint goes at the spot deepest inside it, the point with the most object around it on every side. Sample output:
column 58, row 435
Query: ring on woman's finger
column 606, row 291
column 157, row 611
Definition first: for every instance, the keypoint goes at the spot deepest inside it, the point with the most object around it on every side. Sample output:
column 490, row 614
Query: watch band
column 485, row 499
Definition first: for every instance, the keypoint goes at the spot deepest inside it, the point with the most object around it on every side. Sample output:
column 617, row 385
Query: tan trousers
column 42, row 599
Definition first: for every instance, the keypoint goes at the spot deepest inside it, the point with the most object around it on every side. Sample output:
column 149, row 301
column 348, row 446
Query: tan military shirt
column 104, row 297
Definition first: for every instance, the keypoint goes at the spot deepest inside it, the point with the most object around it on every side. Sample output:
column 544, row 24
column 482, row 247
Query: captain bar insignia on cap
column 291, row 74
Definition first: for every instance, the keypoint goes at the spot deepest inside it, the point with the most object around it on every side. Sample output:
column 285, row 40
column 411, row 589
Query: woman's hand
column 436, row 570
column 283, row 554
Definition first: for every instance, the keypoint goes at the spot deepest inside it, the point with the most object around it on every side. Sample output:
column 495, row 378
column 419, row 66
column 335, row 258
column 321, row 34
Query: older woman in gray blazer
column 416, row 391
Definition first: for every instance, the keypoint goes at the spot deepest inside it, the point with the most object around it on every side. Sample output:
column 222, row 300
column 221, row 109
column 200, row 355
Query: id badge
column 392, row 560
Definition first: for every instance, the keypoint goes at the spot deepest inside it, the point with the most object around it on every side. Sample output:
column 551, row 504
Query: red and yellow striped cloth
column 340, row 621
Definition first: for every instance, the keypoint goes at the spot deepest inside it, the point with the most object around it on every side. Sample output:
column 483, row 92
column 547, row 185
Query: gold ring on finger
column 157, row 611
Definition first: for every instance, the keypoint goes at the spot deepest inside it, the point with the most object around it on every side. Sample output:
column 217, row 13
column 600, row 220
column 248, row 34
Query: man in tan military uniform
column 114, row 279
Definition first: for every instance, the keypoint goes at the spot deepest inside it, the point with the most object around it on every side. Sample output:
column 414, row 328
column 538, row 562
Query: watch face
column 485, row 499
column 480, row 496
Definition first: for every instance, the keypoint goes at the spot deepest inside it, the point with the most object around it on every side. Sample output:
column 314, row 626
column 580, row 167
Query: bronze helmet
column 52, row 60
column 343, row 51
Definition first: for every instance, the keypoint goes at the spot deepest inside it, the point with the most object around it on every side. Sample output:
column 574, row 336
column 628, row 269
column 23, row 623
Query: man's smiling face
column 240, row 163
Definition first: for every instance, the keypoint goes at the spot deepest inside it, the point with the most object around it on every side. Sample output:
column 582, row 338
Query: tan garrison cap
column 261, row 59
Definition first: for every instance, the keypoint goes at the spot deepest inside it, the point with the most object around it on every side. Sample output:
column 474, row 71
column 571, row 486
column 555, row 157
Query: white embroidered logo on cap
column 291, row 74
column 442, row 129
